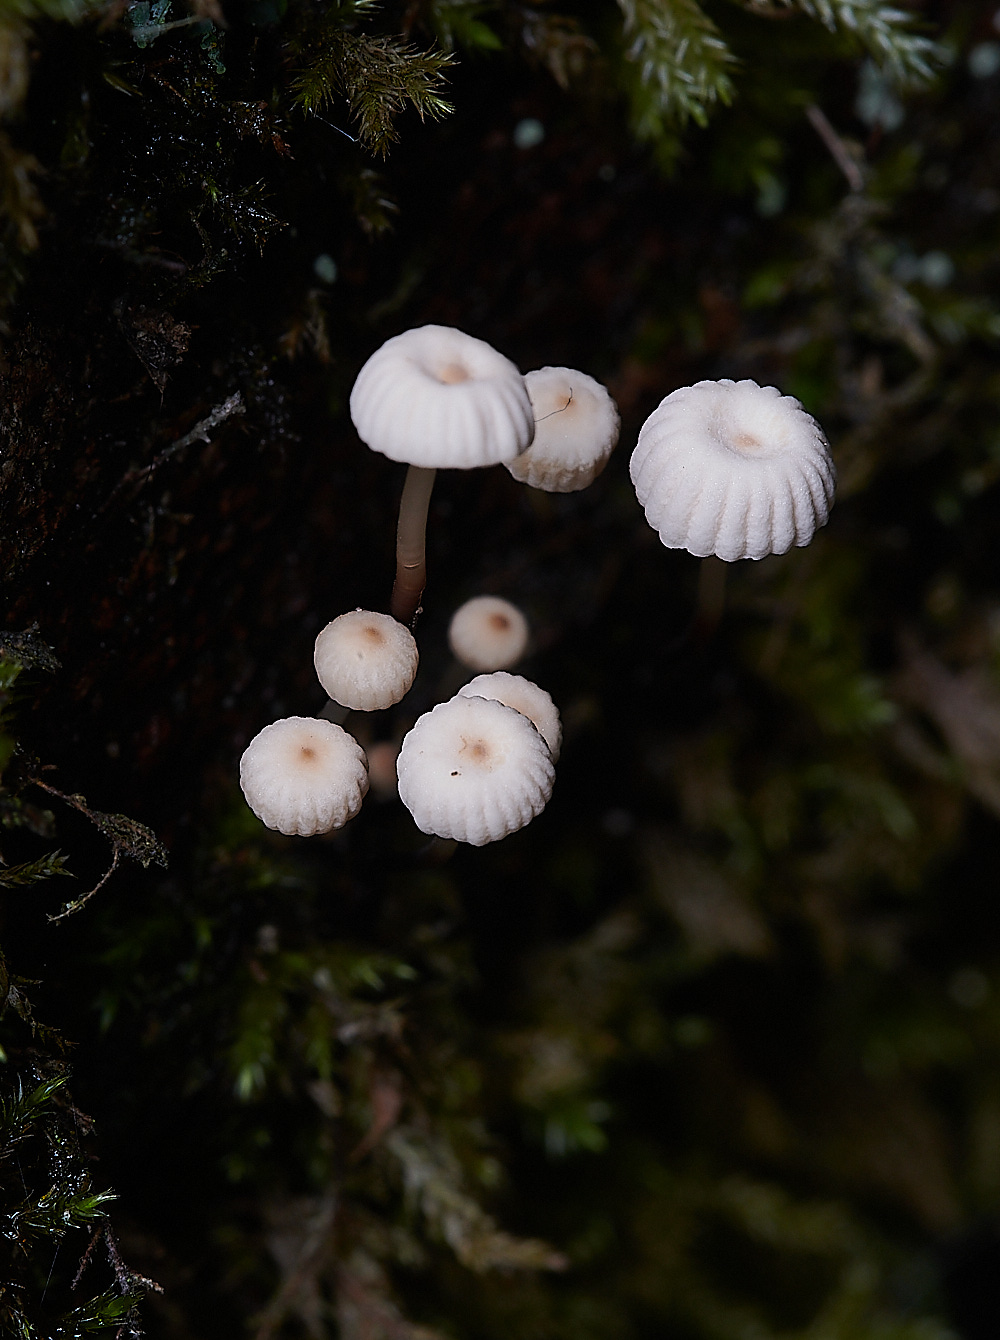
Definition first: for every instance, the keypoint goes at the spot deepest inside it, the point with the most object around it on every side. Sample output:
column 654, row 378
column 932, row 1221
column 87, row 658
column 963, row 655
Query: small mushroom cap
column 303, row 775
column 525, row 697
column 733, row 469
column 576, row 428
column 366, row 661
column 474, row 770
column 488, row 633
column 439, row 398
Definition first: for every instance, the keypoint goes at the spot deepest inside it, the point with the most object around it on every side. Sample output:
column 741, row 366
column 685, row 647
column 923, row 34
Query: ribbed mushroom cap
column 303, row 776
column 474, row 770
column 576, row 428
column 439, row 398
column 525, row 697
column 488, row 633
column 365, row 660
column 733, row 469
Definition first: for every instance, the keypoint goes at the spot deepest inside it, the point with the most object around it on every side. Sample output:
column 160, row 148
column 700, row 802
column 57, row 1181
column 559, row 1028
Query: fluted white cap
column 365, row 660
column 576, row 428
column 474, row 770
column 439, row 398
column 525, row 697
column 303, row 775
column 488, row 633
column 733, row 469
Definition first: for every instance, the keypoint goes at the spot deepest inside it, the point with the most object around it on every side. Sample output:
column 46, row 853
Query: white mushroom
column 437, row 399
column 733, row 469
column 525, row 697
column 576, row 428
column 366, row 661
column 488, row 633
column 303, row 776
column 441, row 399
column 474, row 770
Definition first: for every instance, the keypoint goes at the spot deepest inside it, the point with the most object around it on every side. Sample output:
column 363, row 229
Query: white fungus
column 474, row 770
column 525, row 697
column 365, row 660
column 488, row 633
column 733, row 469
column 438, row 398
column 303, row 775
column 576, row 428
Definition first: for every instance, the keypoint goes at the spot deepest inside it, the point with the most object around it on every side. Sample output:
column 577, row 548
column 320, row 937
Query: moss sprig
column 377, row 76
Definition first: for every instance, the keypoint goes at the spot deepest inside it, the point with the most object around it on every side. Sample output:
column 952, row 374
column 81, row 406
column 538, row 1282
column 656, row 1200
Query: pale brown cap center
column 745, row 442
column 477, row 749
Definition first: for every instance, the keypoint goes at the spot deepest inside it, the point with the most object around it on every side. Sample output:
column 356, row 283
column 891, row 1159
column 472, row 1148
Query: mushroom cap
column 304, row 775
column 474, row 770
column 439, row 398
column 525, row 697
column 488, row 633
column 365, row 660
column 733, row 469
column 576, row 428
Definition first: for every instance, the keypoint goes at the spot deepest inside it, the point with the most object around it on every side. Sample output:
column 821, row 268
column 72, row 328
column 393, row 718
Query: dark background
column 721, row 1026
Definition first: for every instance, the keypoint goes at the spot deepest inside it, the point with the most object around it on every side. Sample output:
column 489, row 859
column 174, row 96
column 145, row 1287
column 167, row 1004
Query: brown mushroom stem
column 411, row 564
column 334, row 712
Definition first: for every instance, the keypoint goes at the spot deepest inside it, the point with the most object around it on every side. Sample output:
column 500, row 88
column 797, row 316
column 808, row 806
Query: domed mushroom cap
column 733, row 469
column 525, row 697
column 576, row 428
column 474, row 770
column 488, row 633
column 303, row 775
column 365, row 660
column 439, row 398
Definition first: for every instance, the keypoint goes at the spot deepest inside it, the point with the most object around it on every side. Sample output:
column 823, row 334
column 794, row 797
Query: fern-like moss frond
column 908, row 58
column 33, row 872
column 681, row 61
column 378, row 77
column 19, row 1109
column 433, row 1182
column 54, row 1213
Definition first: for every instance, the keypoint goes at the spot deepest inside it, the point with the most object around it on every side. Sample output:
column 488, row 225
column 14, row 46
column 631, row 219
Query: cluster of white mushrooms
column 726, row 468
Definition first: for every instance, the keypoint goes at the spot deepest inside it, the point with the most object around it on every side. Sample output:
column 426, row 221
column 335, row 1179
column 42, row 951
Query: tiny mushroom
column 576, row 428
column 529, row 699
column 488, row 633
column 733, row 469
column 366, row 661
column 436, row 398
column 303, row 776
column 474, row 770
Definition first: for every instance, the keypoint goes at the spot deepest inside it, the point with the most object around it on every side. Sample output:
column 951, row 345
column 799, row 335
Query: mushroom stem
column 411, row 564
column 335, row 712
